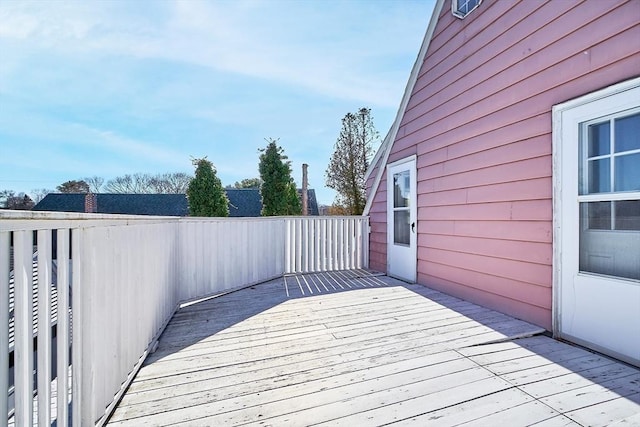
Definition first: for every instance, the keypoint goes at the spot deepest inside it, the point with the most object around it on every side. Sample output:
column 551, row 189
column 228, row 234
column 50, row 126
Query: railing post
column 23, row 315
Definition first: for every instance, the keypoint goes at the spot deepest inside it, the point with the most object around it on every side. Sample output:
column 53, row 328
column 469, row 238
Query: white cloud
column 272, row 41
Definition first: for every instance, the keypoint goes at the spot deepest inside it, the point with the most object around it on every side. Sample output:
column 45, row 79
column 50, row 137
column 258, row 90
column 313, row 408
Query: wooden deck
column 356, row 349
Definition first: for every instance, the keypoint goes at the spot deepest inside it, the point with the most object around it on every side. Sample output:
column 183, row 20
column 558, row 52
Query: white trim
column 411, row 158
column 594, row 96
column 386, row 145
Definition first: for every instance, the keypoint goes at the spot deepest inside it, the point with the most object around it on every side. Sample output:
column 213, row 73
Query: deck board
column 351, row 348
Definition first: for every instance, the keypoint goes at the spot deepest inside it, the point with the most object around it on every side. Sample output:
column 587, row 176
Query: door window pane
column 599, row 176
column 627, row 133
column 599, row 139
column 628, row 216
column 627, row 172
column 401, row 228
column 597, row 215
column 401, row 189
column 609, row 252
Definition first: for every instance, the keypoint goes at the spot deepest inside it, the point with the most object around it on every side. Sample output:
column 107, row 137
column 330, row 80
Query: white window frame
column 461, row 15
column 584, row 195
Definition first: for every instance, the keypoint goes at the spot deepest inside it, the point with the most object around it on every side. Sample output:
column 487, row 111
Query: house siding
column 479, row 120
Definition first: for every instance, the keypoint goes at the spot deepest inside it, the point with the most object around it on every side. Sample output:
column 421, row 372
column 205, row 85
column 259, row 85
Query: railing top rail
column 32, row 220
column 17, row 214
column 29, row 220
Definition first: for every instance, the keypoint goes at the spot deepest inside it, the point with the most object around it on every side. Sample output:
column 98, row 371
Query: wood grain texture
column 354, row 348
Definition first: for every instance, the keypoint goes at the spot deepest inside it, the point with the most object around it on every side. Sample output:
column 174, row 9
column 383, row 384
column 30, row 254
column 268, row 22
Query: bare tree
column 171, row 183
column 11, row 200
column 144, row 183
column 4, row 196
column 38, row 194
column 95, row 183
column 126, row 184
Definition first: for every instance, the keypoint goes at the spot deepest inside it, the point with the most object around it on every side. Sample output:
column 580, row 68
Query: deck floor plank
column 351, row 348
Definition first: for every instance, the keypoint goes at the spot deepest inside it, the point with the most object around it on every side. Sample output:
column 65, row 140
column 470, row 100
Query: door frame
column 413, row 215
column 565, row 159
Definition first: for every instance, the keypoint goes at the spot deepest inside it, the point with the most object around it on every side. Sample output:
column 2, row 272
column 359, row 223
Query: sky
column 107, row 87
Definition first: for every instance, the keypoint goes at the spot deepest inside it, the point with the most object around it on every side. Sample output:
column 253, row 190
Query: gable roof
column 382, row 155
column 245, row 202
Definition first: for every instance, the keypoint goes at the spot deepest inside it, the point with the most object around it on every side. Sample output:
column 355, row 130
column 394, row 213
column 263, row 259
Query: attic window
column 461, row 8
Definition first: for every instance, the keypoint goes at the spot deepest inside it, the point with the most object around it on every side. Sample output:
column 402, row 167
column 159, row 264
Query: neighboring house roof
column 382, row 155
column 242, row 203
column 129, row 204
column 61, row 202
column 312, row 202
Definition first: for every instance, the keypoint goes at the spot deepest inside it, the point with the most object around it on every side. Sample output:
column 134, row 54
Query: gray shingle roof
column 244, row 202
column 129, row 204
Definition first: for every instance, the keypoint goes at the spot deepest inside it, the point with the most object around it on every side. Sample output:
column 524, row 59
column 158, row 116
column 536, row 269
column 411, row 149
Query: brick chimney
column 90, row 203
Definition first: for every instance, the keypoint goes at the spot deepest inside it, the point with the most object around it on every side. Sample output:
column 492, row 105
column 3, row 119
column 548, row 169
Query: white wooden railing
column 123, row 278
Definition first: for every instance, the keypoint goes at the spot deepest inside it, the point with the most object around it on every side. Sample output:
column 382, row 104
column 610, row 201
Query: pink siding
column 479, row 120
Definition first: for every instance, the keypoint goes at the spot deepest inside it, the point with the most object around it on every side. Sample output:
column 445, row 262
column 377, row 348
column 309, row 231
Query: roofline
column 385, row 148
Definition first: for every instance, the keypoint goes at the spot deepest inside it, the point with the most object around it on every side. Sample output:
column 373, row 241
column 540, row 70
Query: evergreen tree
column 73, row 186
column 247, row 183
column 350, row 160
column 205, row 193
column 278, row 190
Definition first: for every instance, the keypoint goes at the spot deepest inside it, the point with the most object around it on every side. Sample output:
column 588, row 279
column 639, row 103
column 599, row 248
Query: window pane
column 464, row 6
column 627, row 133
column 628, row 215
column 596, row 216
column 627, row 172
column 599, row 176
column 609, row 252
column 401, row 227
column 401, row 189
column 599, row 139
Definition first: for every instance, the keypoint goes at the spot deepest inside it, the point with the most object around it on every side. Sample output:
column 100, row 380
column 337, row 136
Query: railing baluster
column 307, row 240
column 298, row 235
column 23, row 315
column 323, row 251
column 80, row 406
column 287, row 247
column 44, row 327
column 62, row 340
column 4, row 326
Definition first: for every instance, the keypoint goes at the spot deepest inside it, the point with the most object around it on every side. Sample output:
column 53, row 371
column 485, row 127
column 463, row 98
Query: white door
column 402, row 224
column 597, row 247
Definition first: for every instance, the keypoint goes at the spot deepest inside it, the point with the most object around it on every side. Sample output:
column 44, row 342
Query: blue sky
column 113, row 87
